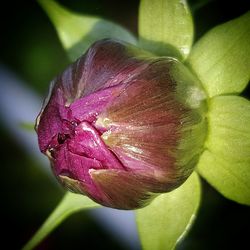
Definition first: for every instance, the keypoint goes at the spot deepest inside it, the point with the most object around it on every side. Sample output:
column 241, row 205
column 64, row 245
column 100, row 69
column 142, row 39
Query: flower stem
column 68, row 205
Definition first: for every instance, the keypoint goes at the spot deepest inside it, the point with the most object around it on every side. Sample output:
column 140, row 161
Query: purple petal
column 121, row 125
column 145, row 121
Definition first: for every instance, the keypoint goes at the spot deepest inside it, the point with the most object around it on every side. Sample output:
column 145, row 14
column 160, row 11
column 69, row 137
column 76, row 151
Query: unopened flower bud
column 121, row 125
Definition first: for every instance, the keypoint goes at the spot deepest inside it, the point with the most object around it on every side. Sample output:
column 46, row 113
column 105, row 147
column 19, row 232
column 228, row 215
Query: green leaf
column 70, row 203
column 226, row 162
column 221, row 59
column 166, row 27
column 168, row 218
column 77, row 32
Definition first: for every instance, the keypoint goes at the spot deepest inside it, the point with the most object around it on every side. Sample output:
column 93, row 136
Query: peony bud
column 121, row 125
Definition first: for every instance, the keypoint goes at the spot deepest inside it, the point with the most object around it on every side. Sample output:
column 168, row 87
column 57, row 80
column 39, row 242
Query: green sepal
column 77, row 31
column 225, row 164
column 166, row 27
column 164, row 222
column 221, row 58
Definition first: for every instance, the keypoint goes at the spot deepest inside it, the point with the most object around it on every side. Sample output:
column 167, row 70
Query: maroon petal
column 147, row 122
column 122, row 189
column 106, row 64
column 121, row 126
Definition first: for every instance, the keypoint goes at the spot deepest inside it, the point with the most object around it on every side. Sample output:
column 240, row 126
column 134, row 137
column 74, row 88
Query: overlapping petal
column 120, row 125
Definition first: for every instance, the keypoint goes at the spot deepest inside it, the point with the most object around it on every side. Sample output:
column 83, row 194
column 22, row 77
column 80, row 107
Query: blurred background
column 30, row 56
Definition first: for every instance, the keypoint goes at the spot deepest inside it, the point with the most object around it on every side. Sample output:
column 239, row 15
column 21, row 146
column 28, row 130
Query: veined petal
column 132, row 190
column 121, row 125
column 151, row 126
column 106, row 64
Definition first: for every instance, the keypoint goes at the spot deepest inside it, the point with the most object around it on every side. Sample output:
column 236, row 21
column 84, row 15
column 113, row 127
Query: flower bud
column 121, row 125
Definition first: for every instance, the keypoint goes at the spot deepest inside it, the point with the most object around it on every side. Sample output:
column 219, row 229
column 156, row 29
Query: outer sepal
column 166, row 27
column 77, row 31
column 225, row 164
column 169, row 217
column 221, row 58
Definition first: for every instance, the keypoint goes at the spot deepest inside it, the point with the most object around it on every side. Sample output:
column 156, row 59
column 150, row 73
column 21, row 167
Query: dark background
column 31, row 49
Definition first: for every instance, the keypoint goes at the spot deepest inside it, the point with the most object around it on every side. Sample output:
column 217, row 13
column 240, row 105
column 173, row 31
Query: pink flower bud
column 121, row 125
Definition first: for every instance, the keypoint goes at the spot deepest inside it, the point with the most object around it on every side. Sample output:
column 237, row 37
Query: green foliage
column 226, row 162
column 70, row 203
column 168, row 218
column 166, row 27
column 221, row 59
column 77, row 32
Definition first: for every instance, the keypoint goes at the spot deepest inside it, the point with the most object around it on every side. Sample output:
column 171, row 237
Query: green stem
column 69, row 204
column 28, row 126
